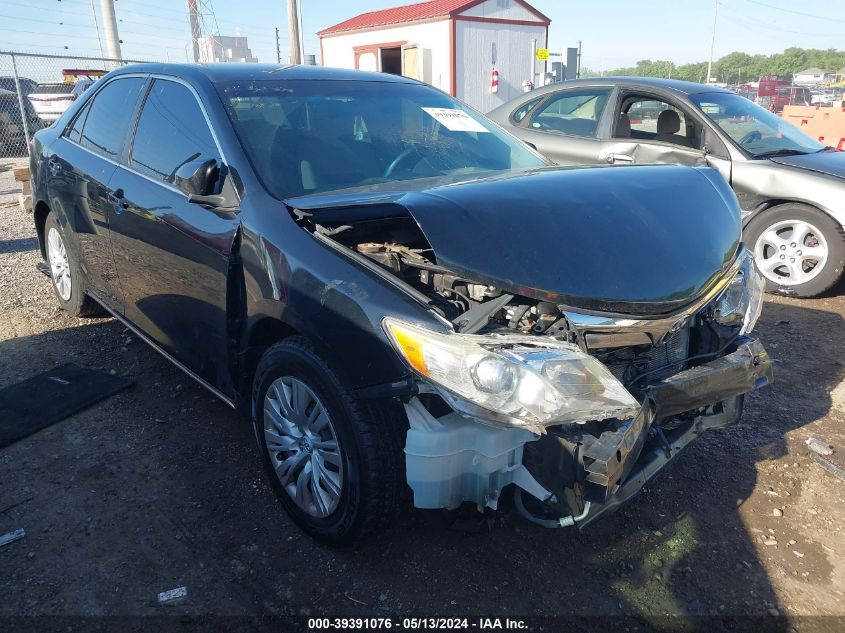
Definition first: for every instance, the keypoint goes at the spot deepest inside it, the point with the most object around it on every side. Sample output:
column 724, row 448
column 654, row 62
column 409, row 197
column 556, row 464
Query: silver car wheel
column 791, row 252
column 303, row 446
column 59, row 264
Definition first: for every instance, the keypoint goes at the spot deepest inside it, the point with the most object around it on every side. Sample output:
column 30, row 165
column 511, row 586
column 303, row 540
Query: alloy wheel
column 791, row 252
column 303, row 446
column 59, row 264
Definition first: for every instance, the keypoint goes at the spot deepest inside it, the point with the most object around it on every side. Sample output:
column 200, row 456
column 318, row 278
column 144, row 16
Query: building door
column 411, row 61
column 391, row 60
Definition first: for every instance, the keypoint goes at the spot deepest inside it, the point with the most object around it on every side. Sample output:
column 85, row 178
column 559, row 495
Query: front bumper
column 713, row 390
column 453, row 459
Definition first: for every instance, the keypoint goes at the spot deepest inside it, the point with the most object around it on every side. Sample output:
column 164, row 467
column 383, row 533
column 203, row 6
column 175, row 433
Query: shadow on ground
column 161, row 487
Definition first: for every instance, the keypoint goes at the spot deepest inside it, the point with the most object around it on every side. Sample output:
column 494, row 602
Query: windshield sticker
column 455, row 120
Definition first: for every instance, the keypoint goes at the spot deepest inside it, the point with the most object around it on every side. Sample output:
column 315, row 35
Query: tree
column 737, row 67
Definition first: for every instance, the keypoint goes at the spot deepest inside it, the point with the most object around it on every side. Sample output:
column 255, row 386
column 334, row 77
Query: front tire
column 335, row 462
column 65, row 273
column 798, row 249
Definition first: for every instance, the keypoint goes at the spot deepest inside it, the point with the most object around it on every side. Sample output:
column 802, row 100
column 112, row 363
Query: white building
column 453, row 45
column 225, row 48
column 811, row 76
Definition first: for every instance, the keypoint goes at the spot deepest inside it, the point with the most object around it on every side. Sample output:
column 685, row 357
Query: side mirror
column 197, row 177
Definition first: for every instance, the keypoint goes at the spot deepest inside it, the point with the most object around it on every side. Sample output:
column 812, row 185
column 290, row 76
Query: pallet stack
column 25, row 196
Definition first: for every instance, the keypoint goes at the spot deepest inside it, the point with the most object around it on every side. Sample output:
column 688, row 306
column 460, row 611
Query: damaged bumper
column 716, row 387
column 451, row 460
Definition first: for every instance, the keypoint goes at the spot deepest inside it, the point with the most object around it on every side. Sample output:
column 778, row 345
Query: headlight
column 742, row 300
column 524, row 381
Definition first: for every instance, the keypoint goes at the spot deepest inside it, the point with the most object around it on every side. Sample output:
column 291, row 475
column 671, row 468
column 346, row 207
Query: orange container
column 825, row 124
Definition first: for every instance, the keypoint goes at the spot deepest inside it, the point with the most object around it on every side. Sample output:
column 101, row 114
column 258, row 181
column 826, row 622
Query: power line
column 793, row 12
column 53, row 22
column 757, row 24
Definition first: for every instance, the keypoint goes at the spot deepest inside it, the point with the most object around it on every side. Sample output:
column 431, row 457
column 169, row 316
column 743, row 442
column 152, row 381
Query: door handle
column 619, row 158
column 118, row 201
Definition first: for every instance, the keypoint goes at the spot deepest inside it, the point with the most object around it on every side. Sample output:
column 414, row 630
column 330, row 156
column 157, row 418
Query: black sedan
column 396, row 293
column 791, row 188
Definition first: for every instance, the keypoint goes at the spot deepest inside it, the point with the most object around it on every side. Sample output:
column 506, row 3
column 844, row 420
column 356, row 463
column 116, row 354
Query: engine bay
column 395, row 242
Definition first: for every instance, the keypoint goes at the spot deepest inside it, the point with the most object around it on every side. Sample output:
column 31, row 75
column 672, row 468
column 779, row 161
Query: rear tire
column 356, row 450
column 799, row 249
column 66, row 275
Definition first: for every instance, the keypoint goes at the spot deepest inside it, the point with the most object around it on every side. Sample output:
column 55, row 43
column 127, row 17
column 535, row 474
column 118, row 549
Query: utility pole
column 196, row 29
column 278, row 50
column 97, row 27
column 712, row 40
column 301, row 36
column 293, row 26
column 110, row 27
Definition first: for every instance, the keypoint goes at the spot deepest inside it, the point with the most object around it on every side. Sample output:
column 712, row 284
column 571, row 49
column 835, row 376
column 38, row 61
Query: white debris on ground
column 172, row 594
column 11, row 537
column 817, row 446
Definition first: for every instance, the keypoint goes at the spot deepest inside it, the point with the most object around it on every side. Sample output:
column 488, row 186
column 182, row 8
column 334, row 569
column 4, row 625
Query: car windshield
column 306, row 137
column 756, row 130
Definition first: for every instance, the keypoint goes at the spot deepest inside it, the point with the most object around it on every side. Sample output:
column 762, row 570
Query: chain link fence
column 36, row 89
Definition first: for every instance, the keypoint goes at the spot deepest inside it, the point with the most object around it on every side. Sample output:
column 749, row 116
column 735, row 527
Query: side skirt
column 156, row 347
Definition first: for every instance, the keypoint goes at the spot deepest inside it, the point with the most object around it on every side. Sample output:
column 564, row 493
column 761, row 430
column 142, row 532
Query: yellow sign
column 543, row 54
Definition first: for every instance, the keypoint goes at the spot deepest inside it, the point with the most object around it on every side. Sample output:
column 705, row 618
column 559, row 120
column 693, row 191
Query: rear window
column 109, row 116
column 575, row 112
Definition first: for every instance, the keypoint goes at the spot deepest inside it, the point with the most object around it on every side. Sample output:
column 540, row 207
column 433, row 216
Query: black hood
column 632, row 239
column 829, row 162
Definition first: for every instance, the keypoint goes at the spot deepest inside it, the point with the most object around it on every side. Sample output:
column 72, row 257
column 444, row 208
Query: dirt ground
column 160, row 486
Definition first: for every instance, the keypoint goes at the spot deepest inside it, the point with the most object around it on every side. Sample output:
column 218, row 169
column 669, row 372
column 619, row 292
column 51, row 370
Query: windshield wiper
column 781, row 152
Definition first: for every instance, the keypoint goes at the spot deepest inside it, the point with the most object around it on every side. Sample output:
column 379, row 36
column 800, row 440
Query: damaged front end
column 574, row 400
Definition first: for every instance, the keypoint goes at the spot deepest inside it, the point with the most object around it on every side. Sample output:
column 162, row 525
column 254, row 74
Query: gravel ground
column 160, row 486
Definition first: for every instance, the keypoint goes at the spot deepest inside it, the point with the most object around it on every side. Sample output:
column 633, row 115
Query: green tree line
column 737, row 67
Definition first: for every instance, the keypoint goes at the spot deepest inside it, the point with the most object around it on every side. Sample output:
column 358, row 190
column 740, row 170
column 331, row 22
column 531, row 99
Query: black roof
column 250, row 72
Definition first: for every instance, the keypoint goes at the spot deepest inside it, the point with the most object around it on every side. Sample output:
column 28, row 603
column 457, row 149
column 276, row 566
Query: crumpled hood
column 830, row 163
column 634, row 239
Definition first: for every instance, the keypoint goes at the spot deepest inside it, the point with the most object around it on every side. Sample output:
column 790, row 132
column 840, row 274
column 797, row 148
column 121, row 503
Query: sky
column 613, row 33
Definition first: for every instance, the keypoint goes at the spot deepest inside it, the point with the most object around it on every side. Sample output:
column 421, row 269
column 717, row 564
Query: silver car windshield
column 306, row 137
column 756, row 130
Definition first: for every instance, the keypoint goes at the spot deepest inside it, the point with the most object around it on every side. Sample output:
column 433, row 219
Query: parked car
column 398, row 293
column 791, row 188
column 823, row 97
column 51, row 99
column 7, row 82
column 12, row 132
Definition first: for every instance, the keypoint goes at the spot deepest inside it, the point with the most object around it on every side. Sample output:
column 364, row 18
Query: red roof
column 413, row 13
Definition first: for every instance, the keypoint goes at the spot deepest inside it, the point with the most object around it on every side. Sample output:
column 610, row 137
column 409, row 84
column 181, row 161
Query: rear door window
column 574, row 112
column 172, row 131
column 110, row 115
column 522, row 111
column 74, row 133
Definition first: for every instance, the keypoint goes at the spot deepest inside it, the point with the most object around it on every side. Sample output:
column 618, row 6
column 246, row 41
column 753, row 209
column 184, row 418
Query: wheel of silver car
column 791, row 252
column 303, row 446
column 799, row 249
column 59, row 264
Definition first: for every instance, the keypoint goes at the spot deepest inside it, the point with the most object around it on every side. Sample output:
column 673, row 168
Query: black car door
column 172, row 255
column 80, row 164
